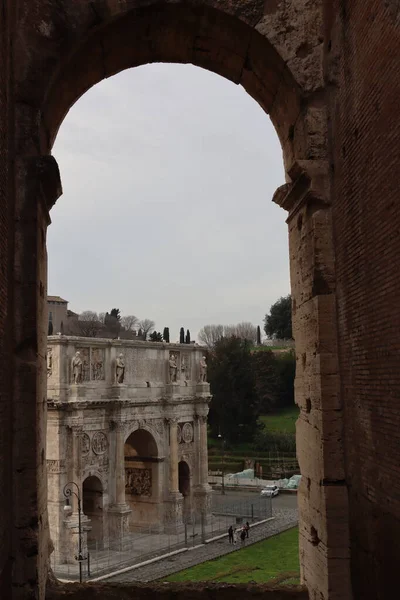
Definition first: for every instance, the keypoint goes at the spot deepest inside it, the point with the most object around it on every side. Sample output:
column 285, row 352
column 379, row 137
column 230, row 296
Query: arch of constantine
column 127, row 422
column 327, row 74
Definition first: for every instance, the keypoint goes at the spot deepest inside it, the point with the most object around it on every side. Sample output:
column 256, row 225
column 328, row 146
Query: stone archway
column 142, row 479
column 185, row 489
column 92, row 500
column 276, row 55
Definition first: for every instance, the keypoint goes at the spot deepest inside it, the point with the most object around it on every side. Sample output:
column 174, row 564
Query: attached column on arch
column 173, row 456
column 118, row 511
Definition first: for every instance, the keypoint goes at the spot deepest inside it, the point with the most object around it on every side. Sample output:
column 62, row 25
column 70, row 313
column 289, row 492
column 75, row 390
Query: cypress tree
column 187, row 340
column 166, row 334
column 258, row 336
column 50, row 328
column 182, row 336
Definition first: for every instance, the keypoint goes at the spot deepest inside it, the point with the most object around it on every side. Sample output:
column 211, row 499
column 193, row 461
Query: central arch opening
column 92, row 495
column 142, row 479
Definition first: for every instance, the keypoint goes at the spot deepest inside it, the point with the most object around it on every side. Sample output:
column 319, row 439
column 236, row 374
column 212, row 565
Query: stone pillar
column 173, row 457
column 202, row 491
column 36, row 182
column 322, row 495
column 118, row 511
column 173, row 510
column 203, row 450
column 119, row 467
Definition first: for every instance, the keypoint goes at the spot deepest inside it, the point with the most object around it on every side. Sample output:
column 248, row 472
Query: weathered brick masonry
column 328, row 74
column 365, row 145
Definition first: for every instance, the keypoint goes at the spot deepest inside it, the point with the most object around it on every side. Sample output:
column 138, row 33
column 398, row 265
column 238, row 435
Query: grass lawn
column 284, row 421
column 275, row 560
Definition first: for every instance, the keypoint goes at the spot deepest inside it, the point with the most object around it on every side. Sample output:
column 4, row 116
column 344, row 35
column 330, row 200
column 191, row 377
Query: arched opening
column 92, row 497
column 184, row 478
column 104, row 41
column 142, row 479
column 185, row 489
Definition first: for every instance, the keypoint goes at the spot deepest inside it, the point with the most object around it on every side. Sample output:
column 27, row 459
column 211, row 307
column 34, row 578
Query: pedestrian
column 247, row 529
column 235, row 535
column 243, row 535
column 230, row 534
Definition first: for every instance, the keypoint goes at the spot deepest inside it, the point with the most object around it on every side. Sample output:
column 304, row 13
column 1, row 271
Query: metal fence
column 149, row 542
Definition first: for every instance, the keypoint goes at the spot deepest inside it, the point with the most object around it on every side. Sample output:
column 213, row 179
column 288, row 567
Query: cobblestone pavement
column 283, row 519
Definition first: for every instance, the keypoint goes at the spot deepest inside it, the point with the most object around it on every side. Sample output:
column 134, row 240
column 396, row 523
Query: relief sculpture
column 97, row 364
column 138, row 481
column 99, row 442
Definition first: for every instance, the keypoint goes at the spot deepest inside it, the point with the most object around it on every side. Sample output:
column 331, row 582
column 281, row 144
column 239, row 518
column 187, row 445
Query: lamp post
column 68, row 492
column 223, row 464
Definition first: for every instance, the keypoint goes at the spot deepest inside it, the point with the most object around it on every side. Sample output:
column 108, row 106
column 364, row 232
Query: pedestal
column 173, row 513
column 119, row 390
column 118, row 525
column 69, row 546
column 202, row 502
column 77, row 392
column 203, row 389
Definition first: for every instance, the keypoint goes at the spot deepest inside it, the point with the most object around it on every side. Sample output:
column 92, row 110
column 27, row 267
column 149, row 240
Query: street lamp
column 223, row 463
column 68, row 492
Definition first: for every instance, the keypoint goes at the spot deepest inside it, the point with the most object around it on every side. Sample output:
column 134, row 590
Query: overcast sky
column 168, row 173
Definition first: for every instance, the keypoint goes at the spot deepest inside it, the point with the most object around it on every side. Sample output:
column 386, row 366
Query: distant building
column 59, row 316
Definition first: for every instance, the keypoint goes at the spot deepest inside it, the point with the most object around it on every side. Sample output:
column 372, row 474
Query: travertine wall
column 316, row 67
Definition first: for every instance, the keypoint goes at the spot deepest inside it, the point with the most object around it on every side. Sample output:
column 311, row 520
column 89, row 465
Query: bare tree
column 129, row 322
column 210, row 334
column 102, row 317
column 246, row 331
column 88, row 324
column 146, row 325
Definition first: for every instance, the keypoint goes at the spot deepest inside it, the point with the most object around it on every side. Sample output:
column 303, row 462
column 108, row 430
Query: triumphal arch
column 127, row 422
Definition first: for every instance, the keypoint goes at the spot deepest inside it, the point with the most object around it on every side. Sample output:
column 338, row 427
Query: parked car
column 270, row 491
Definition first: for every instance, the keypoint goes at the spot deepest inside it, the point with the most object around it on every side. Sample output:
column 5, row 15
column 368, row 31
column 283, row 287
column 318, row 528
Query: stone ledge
column 173, row 591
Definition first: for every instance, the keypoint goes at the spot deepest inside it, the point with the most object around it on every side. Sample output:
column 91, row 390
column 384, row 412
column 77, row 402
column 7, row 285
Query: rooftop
column 56, row 299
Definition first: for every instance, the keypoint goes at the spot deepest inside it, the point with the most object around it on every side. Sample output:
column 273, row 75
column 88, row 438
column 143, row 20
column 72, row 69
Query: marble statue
column 120, row 369
column 173, row 368
column 203, row 370
column 77, row 368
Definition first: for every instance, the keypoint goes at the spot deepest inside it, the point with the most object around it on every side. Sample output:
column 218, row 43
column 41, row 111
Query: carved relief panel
column 85, row 358
column 97, row 361
column 185, row 433
column 138, row 482
column 186, row 367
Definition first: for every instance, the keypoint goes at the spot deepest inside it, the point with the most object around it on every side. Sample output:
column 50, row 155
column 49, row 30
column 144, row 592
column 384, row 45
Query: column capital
column 118, row 426
column 309, row 184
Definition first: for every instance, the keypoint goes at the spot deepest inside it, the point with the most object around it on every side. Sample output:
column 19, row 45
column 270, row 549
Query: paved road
column 281, row 501
column 285, row 513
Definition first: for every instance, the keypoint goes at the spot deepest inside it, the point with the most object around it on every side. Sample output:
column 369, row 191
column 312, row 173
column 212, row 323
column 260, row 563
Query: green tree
column 166, row 334
column 115, row 312
column 286, row 364
column 234, row 407
column 182, row 336
column 267, row 380
column 278, row 323
column 156, row 336
column 258, row 336
column 187, row 339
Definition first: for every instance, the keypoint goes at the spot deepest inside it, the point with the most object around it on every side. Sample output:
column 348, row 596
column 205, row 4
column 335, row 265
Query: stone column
column 118, row 511
column 119, row 467
column 75, row 465
column 203, row 466
column 173, row 457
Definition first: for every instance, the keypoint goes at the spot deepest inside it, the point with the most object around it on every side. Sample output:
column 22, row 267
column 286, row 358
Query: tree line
column 246, row 383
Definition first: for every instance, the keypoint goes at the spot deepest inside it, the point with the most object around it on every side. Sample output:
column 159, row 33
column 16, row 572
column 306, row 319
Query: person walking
column 243, row 536
column 247, row 529
column 230, row 534
column 235, row 536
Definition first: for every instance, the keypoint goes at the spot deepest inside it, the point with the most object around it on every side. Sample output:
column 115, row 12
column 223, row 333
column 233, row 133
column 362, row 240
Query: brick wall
column 364, row 67
column 5, row 272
